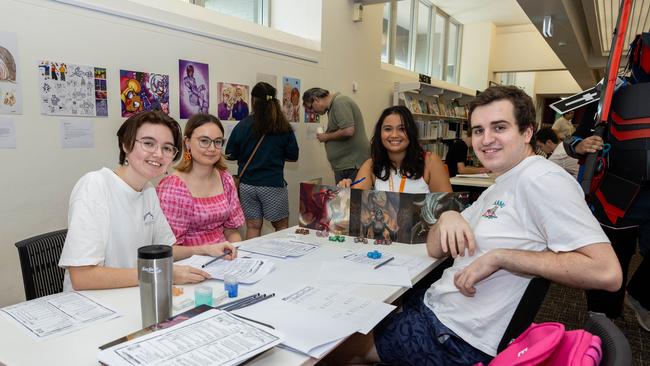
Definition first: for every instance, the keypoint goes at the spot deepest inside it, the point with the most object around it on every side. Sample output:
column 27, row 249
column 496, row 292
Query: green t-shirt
column 351, row 152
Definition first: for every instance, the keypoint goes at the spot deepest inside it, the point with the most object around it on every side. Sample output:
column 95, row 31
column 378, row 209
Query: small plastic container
column 203, row 296
column 231, row 285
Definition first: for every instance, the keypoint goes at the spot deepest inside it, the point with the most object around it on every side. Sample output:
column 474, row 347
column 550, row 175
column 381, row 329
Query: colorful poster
column 143, row 91
column 291, row 98
column 72, row 90
column 193, row 84
column 399, row 217
column 233, row 101
column 311, row 116
column 11, row 101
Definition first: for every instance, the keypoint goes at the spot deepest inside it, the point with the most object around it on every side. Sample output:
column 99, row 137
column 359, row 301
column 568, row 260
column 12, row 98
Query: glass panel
column 385, row 33
column 403, row 34
column 245, row 9
column 423, row 39
column 438, row 46
column 452, row 53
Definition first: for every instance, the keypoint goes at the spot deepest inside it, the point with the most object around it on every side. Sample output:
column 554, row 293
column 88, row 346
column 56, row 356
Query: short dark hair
column 129, row 129
column 192, row 124
column 310, row 94
column 413, row 164
column 522, row 103
column 546, row 134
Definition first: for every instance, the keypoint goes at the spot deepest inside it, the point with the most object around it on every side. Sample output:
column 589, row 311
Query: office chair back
column 39, row 261
column 526, row 310
column 616, row 348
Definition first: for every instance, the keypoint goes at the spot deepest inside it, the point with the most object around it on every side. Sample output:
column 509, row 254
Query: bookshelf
column 439, row 110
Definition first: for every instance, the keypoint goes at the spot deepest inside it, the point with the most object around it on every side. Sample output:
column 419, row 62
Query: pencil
column 251, row 302
column 225, row 253
column 381, row 264
column 357, row 181
column 254, row 321
column 237, row 301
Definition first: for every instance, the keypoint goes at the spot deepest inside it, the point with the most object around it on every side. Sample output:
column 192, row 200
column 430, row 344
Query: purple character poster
column 193, row 84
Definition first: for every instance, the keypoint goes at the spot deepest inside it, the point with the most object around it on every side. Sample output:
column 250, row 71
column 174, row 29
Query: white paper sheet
column 281, row 248
column 247, row 270
column 210, row 338
column 365, row 313
column 304, row 330
column 414, row 264
column 312, row 131
column 361, row 257
column 7, row 133
column 389, row 275
column 57, row 314
column 479, row 175
column 77, row 133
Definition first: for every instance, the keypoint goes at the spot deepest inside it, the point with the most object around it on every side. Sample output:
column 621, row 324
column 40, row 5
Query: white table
column 471, row 182
column 81, row 347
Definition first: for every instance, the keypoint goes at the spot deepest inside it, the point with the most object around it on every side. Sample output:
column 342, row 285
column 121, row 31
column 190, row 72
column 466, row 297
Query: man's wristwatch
column 570, row 146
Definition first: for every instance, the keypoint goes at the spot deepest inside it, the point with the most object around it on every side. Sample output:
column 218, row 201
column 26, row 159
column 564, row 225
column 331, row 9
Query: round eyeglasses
column 205, row 142
column 151, row 146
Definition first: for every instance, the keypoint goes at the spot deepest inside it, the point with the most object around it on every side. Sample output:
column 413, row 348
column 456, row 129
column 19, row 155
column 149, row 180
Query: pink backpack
column 548, row 344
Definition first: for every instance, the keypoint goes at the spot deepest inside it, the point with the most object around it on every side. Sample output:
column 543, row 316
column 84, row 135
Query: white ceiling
column 499, row 12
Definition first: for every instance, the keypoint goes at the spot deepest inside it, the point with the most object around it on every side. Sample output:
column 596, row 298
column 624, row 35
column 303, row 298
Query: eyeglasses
column 205, row 142
column 151, row 146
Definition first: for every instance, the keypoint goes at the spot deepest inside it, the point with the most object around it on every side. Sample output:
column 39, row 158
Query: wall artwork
column 143, row 91
column 291, row 98
column 10, row 91
column 193, row 84
column 311, row 116
column 400, row 217
column 72, row 90
column 233, row 101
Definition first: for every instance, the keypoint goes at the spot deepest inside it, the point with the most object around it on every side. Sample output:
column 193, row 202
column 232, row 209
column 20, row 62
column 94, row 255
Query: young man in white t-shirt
column 532, row 222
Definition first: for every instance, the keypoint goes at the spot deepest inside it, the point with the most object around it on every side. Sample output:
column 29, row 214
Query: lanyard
column 401, row 183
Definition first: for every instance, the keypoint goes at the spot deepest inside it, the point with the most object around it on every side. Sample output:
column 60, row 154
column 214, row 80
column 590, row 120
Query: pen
column 225, row 253
column 236, row 301
column 251, row 302
column 381, row 264
column 357, row 181
column 254, row 321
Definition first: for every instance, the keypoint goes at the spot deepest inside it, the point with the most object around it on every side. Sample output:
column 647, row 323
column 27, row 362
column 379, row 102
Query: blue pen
column 357, row 181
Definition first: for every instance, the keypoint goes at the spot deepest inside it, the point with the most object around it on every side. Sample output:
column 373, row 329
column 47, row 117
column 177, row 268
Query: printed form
column 281, row 248
column 211, row 338
column 57, row 314
column 247, row 270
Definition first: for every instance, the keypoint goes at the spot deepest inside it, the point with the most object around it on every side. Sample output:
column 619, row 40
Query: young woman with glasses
column 200, row 199
column 263, row 190
column 114, row 212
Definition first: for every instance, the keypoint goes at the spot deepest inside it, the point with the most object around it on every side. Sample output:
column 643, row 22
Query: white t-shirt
column 560, row 157
column 108, row 221
column 410, row 185
column 534, row 206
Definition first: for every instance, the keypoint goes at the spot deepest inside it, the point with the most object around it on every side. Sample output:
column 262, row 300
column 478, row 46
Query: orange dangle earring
column 187, row 156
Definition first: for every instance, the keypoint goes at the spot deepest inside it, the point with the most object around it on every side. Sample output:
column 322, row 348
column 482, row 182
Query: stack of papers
column 352, row 267
column 57, row 314
column 281, row 248
column 211, row 338
column 247, row 270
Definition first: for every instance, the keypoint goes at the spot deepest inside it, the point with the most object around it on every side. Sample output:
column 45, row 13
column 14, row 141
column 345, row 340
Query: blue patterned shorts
column 271, row 203
column 415, row 336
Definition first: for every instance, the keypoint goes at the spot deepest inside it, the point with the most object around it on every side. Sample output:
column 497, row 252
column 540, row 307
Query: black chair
column 526, row 310
column 616, row 348
column 39, row 261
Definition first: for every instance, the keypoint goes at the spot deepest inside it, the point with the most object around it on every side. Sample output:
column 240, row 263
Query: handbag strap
column 251, row 157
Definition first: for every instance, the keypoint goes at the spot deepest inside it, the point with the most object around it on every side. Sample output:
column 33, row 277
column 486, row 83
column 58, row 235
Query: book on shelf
column 423, row 106
column 433, row 107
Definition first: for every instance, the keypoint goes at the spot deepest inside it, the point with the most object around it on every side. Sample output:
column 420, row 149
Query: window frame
column 262, row 11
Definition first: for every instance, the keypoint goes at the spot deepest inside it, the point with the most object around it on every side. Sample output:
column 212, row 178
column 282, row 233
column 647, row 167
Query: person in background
column 562, row 126
column 397, row 161
column 547, row 140
column 114, row 212
column 345, row 139
column 263, row 190
column 498, row 244
column 200, row 198
column 456, row 158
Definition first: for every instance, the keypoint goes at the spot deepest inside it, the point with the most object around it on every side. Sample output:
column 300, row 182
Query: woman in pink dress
column 200, row 198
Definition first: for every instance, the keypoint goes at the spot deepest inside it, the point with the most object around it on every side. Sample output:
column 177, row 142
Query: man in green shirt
column 345, row 140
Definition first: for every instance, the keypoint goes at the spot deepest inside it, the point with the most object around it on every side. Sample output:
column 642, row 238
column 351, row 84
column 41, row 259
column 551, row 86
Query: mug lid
column 155, row 251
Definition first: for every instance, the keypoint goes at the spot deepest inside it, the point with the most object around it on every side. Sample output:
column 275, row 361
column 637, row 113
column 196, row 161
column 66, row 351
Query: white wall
column 522, row 48
column 38, row 175
column 475, row 62
column 556, row 83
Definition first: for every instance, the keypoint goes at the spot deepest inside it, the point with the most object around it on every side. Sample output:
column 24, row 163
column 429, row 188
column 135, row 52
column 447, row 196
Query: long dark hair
column 413, row 164
column 267, row 111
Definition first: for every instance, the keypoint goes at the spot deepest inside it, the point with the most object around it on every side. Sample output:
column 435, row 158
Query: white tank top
column 410, row 185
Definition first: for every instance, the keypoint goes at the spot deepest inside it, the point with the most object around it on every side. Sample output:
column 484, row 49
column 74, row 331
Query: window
column 426, row 41
column 256, row 11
